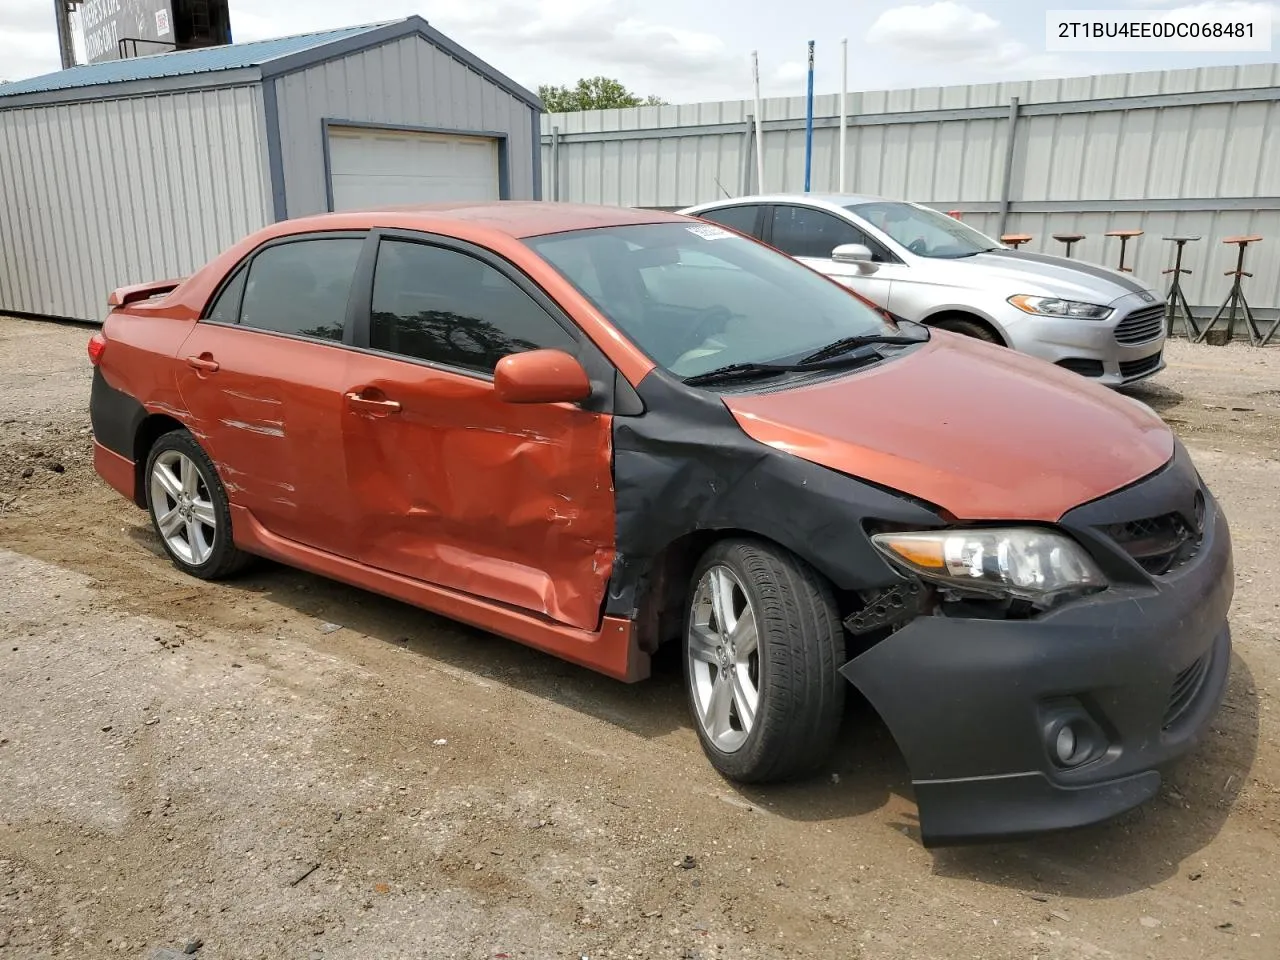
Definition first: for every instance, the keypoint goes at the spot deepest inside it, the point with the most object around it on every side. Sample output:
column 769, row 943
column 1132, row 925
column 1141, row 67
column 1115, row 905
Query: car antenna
column 727, row 194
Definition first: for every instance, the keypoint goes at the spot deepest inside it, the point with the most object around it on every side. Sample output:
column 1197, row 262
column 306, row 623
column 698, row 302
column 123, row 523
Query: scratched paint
column 238, row 395
column 270, row 428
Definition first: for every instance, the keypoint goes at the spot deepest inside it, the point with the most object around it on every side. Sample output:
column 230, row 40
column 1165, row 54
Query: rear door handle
column 373, row 406
column 204, row 362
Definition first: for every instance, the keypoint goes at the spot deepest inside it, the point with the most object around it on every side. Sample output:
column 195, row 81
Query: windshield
column 696, row 297
column 925, row 232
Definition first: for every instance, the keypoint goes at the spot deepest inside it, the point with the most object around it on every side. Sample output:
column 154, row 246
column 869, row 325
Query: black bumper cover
column 971, row 703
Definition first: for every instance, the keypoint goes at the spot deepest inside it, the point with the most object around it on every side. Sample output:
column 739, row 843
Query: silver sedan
column 929, row 267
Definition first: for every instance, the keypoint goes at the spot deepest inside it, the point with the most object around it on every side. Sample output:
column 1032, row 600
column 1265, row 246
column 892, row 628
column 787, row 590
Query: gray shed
column 135, row 170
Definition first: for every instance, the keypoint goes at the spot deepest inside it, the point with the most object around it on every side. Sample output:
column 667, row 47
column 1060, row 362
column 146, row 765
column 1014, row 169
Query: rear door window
column 444, row 306
column 742, row 219
column 807, row 232
column 301, row 287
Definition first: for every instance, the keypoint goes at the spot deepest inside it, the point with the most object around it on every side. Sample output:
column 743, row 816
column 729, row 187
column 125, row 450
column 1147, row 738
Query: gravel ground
column 285, row 767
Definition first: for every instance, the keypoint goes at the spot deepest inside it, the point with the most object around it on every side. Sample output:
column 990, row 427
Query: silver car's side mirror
column 851, row 253
column 857, row 254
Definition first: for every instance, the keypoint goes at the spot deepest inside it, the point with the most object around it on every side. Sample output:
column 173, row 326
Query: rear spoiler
column 124, row 296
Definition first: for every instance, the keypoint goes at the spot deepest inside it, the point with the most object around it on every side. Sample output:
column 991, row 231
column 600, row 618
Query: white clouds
column 1215, row 10
column 28, row 39
column 534, row 40
column 791, row 72
column 941, row 28
column 961, row 36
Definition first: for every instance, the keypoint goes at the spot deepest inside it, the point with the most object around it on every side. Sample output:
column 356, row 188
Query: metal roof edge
column 128, row 89
column 410, row 26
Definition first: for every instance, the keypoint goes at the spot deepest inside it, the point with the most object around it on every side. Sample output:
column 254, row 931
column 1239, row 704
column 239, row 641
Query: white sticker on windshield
column 708, row 232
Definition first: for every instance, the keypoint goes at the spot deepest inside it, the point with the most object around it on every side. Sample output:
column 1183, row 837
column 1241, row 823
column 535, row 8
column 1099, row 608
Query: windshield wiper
column 848, row 344
column 752, row 371
column 972, row 253
column 740, row 371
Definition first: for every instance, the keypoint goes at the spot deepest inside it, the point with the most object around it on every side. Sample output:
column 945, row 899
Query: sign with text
column 145, row 26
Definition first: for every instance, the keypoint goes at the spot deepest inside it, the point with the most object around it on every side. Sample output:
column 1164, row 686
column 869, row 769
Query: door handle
column 203, row 362
column 373, row 406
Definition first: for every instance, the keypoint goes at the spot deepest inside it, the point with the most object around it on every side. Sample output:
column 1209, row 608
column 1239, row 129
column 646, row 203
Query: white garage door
column 384, row 168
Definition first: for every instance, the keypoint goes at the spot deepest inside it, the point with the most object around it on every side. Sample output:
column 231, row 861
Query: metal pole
column 744, row 175
column 844, row 110
column 755, row 70
column 808, row 125
column 555, row 163
column 62, row 10
column 1006, row 188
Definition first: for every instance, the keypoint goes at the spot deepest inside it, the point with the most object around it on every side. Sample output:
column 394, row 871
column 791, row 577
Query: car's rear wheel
column 763, row 644
column 189, row 508
column 969, row 328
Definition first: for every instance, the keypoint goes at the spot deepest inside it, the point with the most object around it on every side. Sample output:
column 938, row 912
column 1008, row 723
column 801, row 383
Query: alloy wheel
column 724, row 659
column 183, row 507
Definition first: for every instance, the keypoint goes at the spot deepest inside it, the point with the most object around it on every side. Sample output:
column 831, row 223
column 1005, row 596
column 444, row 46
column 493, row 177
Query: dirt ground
column 284, row 767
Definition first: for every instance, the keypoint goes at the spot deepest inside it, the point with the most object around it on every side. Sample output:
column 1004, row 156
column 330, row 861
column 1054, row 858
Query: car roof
column 817, row 199
column 514, row 218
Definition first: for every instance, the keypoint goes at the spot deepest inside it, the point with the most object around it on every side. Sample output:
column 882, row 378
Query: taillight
column 97, row 346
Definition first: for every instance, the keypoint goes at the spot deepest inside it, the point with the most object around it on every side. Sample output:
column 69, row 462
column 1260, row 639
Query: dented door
column 270, row 417
column 509, row 502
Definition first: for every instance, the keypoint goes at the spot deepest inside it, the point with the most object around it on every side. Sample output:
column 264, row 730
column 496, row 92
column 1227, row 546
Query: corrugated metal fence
column 1178, row 152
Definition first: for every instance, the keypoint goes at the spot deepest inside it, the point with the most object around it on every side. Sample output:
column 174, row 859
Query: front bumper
column 1087, row 347
column 973, row 704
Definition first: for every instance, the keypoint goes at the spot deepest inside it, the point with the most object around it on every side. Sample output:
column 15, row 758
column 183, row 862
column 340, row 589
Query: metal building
column 1189, row 151
column 142, row 169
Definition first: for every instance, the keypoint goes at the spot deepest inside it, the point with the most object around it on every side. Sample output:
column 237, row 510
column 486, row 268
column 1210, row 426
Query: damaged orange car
column 596, row 430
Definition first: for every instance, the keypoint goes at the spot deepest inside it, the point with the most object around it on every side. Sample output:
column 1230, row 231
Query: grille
column 1185, row 687
column 1159, row 544
column 1141, row 326
column 1136, row 368
column 1082, row 366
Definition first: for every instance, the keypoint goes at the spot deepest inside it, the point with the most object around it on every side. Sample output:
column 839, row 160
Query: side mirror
column 540, row 376
column 851, row 253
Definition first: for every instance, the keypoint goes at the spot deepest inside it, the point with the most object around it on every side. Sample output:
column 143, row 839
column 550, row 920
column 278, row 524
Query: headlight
column 1024, row 563
column 1053, row 307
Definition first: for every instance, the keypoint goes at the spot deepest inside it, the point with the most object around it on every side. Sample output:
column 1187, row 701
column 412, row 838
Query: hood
column 981, row 431
column 1042, row 274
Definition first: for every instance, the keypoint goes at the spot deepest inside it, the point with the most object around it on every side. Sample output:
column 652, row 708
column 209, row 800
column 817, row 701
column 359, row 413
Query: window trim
column 757, row 228
column 245, row 264
column 875, row 246
column 607, row 383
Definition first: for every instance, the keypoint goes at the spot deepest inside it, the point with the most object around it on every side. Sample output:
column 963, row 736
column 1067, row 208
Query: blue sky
column 688, row 50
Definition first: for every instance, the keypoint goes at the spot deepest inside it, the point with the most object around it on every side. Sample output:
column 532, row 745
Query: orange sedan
column 596, row 430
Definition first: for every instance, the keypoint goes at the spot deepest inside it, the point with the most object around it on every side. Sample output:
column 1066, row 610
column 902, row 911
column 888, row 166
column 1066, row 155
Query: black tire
column 800, row 648
column 224, row 559
column 968, row 328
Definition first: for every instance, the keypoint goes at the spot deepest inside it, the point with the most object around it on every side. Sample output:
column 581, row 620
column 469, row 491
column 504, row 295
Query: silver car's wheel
column 182, row 507
column 724, row 659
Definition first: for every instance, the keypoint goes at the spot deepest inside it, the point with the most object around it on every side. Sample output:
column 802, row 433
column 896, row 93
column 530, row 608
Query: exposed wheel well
column 660, row 618
column 942, row 319
column 149, row 431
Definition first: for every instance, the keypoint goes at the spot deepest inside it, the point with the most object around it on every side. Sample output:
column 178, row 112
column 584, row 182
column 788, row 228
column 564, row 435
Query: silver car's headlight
column 1053, row 307
column 1025, row 563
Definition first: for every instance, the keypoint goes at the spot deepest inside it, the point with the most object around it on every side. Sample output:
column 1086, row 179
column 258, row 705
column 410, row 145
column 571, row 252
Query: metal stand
column 1016, row 240
column 1176, row 300
column 1125, row 236
column 1070, row 239
column 1235, row 299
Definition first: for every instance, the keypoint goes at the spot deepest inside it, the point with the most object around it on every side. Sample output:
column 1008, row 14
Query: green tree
column 593, row 93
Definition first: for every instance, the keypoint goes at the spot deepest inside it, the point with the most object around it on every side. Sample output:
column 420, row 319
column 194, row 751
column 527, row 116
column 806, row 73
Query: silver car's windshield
column 925, row 232
column 696, row 297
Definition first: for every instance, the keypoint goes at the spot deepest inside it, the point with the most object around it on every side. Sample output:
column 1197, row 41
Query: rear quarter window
column 301, row 287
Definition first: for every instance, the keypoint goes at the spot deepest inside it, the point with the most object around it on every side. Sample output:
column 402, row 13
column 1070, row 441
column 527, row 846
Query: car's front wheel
column 763, row 645
column 189, row 508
